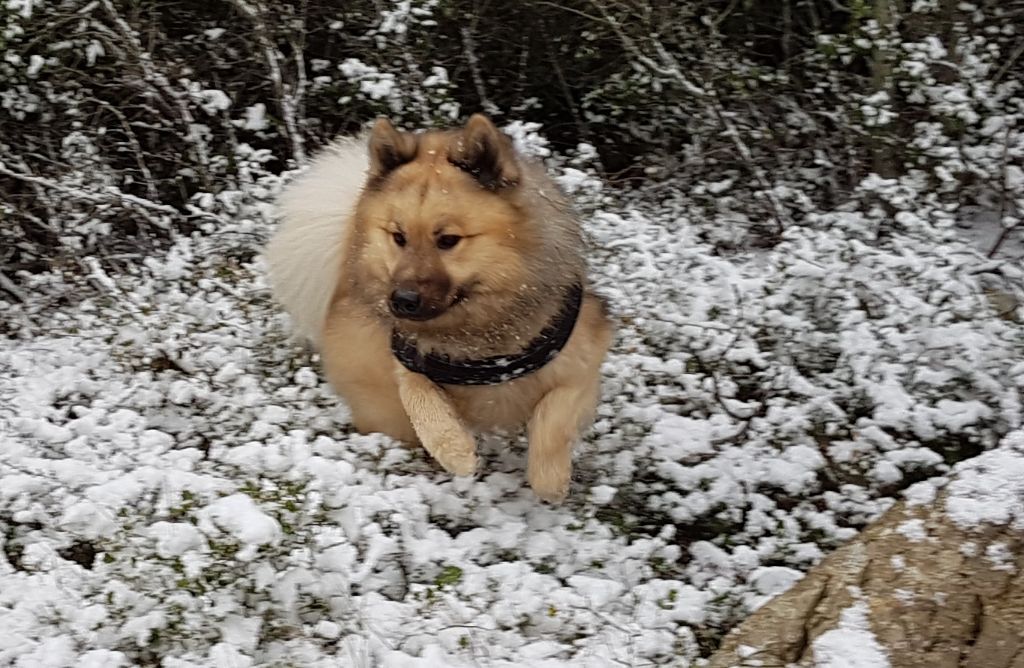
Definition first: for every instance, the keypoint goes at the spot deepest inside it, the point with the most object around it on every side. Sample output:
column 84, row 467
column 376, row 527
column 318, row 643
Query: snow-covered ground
column 179, row 487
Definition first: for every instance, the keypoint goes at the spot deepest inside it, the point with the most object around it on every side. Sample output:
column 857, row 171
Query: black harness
column 500, row 368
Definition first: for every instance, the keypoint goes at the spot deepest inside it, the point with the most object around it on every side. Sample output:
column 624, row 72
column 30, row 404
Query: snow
column 1001, row 557
column 256, row 117
column 989, row 489
column 851, row 644
column 773, row 580
column 756, row 413
column 796, row 351
column 213, row 101
column 921, row 493
column 602, row 494
column 174, row 539
column 372, row 82
column 913, row 530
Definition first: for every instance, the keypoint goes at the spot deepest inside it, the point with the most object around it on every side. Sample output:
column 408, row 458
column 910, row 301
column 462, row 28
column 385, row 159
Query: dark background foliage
column 132, row 114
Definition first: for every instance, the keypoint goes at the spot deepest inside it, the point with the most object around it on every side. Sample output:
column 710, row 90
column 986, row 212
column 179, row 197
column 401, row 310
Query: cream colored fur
column 304, row 256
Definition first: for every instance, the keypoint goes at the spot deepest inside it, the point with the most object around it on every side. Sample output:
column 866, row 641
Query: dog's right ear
column 485, row 153
column 389, row 149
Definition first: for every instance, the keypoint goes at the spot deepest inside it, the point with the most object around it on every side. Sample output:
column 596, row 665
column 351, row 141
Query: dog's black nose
column 406, row 303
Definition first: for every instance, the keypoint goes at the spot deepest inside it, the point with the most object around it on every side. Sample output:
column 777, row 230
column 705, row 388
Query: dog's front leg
column 436, row 423
column 554, row 428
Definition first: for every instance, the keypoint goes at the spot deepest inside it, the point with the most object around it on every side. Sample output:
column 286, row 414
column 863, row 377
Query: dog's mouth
column 417, row 317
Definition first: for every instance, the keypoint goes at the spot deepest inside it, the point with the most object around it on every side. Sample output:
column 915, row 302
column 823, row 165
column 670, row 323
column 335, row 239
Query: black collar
column 500, row 368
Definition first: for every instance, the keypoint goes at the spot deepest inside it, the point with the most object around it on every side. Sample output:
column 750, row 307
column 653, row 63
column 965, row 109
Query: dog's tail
column 305, row 255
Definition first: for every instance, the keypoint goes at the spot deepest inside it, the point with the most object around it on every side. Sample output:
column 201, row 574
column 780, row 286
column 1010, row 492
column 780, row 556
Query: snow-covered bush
column 178, row 486
column 125, row 116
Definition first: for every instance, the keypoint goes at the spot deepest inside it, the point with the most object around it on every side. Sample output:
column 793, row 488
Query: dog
column 441, row 277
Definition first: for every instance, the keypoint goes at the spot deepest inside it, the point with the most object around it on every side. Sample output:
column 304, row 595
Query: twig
column 108, row 195
column 735, row 436
column 40, row 192
column 39, row 222
column 298, row 53
column 1018, row 50
column 288, row 98
column 1002, row 199
column 12, row 289
column 782, row 220
column 136, row 146
column 717, row 21
column 93, row 198
column 581, row 125
column 1003, row 236
column 672, row 69
column 163, row 86
column 474, row 69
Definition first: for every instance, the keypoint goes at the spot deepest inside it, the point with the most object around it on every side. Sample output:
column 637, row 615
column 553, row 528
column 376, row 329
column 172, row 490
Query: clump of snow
column 989, row 489
column 602, row 494
column 239, row 515
column 913, row 530
column 256, row 117
column 774, row 579
column 527, row 139
column 851, row 644
column 1001, row 557
column 921, row 493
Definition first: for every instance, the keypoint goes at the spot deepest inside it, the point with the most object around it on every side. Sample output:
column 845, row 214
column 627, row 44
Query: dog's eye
column 446, row 241
column 399, row 238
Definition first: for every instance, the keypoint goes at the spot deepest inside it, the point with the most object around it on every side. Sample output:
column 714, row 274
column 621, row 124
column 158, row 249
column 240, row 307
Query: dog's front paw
column 550, row 478
column 457, row 454
column 458, row 463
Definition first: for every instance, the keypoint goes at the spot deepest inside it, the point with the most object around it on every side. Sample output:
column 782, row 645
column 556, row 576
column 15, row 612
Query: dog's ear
column 389, row 148
column 486, row 153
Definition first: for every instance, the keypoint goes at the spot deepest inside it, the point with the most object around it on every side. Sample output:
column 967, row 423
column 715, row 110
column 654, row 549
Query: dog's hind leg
column 554, row 428
column 436, row 423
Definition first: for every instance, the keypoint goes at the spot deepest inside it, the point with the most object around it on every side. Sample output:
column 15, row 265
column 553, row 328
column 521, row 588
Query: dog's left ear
column 486, row 153
column 389, row 148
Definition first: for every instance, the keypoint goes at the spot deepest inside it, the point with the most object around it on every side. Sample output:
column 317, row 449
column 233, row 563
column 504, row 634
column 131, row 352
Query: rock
column 914, row 590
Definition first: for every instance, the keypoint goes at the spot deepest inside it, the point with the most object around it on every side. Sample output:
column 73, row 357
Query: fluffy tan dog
column 441, row 276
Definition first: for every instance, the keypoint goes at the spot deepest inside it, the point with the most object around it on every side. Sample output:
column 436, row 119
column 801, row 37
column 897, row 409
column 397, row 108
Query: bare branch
column 133, row 141
column 289, row 97
column 474, row 69
column 160, row 83
column 109, row 195
column 8, row 286
column 1003, row 197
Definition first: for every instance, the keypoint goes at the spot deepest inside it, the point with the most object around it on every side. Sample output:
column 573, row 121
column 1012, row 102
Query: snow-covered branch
column 290, row 95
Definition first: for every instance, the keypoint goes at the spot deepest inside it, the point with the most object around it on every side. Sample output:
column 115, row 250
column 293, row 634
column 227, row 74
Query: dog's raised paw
column 459, row 464
column 551, row 484
column 457, row 458
column 553, row 496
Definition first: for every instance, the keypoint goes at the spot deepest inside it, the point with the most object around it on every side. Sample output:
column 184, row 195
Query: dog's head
column 442, row 233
